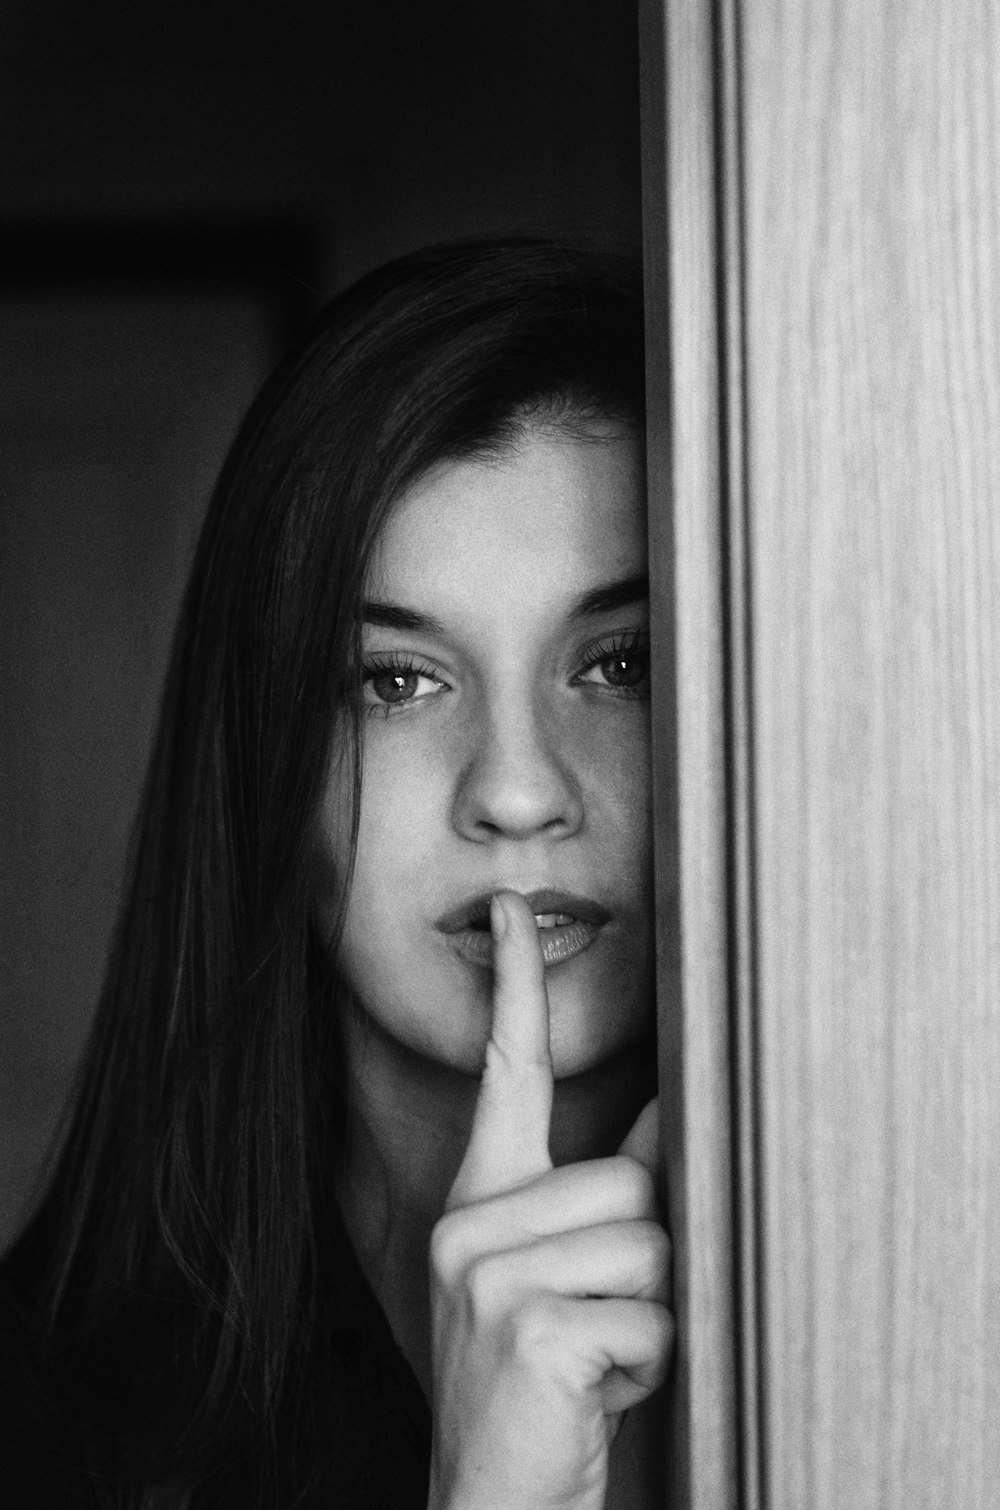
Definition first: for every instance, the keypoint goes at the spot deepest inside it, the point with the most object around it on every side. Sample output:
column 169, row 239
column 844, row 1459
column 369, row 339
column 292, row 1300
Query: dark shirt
column 45, row 1463
column 42, row 1465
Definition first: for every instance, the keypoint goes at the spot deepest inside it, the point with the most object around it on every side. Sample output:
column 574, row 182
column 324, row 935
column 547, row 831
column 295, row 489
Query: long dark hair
column 187, row 1254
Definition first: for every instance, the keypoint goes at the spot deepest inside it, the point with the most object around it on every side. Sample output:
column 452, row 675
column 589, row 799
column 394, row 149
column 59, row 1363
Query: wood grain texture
column 687, row 532
column 871, row 145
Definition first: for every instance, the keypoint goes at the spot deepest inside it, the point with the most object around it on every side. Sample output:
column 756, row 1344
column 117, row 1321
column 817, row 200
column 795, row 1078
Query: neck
column 407, row 1129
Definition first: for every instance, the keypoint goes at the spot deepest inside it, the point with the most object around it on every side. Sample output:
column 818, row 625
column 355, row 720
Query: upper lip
column 475, row 913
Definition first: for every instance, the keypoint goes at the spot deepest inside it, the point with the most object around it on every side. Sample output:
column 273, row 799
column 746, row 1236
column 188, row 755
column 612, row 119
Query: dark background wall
column 181, row 185
column 384, row 124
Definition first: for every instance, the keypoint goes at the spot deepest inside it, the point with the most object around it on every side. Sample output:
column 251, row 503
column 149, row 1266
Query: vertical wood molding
column 872, row 279
column 822, row 220
column 738, row 621
column 686, row 446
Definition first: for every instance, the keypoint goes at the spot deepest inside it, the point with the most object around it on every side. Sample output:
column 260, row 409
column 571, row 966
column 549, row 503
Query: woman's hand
column 549, row 1286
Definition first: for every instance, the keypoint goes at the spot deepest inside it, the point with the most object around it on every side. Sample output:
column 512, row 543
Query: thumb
column 642, row 1141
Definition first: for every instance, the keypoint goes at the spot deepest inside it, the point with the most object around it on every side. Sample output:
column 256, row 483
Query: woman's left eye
column 622, row 666
column 386, row 686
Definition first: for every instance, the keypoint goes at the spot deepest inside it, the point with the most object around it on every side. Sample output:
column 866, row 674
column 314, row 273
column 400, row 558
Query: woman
column 385, row 958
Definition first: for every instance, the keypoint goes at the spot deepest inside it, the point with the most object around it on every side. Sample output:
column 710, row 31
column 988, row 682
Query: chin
column 443, row 1013
column 572, row 1058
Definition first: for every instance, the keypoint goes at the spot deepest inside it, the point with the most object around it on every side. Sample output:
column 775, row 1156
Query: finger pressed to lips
column 509, row 1141
column 520, row 1031
column 546, row 903
column 566, row 922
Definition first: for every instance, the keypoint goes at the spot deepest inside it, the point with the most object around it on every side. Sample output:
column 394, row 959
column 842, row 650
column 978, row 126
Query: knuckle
column 496, row 1064
column 658, row 1246
column 660, row 1330
column 650, row 1252
column 538, row 1328
column 476, row 1281
column 449, row 1248
column 484, row 1286
column 507, row 1061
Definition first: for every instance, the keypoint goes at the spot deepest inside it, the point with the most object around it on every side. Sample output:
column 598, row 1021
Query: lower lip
column 558, row 944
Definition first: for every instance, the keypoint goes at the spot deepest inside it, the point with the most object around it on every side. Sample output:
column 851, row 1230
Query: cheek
column 619, row 790
column 400, row 814
column 394, row 802
column 332, row 842
column 403, row 797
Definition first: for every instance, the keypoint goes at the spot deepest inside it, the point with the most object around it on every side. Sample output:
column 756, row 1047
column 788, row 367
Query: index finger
column 509, row 1141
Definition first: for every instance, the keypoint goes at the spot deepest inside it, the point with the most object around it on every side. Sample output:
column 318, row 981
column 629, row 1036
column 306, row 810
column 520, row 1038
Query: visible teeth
column 552, row 919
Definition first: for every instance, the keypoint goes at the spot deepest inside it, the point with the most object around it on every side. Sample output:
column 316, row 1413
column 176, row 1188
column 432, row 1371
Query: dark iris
column 394, row 686
column 624, row 670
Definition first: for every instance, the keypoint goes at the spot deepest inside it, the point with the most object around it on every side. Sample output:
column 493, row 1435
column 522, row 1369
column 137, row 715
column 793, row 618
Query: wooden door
column 822, row 208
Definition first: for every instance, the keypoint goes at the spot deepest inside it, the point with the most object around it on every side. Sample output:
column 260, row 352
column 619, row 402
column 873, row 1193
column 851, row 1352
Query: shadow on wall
column 386, row 124
column 119, row 395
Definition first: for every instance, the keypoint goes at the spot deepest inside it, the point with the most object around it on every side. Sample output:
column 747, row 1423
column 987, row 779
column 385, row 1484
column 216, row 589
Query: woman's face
column 505, row 745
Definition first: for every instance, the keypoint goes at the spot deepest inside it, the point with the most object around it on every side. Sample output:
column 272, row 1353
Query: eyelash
column 617, row 646
column 620, row 646
column 393, row 664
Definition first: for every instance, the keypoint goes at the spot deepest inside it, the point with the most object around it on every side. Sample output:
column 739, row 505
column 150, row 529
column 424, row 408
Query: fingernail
column 498, row 918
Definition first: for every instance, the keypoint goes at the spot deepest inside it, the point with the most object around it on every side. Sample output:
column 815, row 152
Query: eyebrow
column 612, row 595
column 394, row 616
column 603, row 599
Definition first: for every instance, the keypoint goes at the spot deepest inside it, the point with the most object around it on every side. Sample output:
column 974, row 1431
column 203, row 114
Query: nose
column 518, row 782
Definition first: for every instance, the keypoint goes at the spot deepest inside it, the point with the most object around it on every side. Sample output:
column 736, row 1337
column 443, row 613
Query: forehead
column 543, row 520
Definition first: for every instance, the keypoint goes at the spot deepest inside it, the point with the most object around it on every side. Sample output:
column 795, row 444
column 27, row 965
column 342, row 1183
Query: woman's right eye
column 386, row 686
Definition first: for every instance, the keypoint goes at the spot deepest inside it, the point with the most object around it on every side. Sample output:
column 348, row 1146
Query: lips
column 567, row 925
